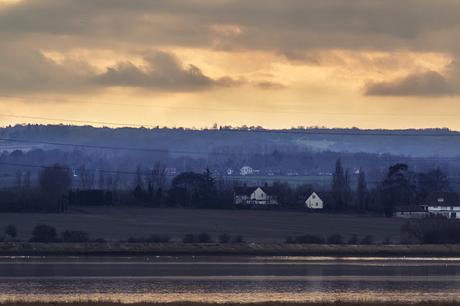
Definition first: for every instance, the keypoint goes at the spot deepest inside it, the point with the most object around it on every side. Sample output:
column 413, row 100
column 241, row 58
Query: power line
column 76, row 120
column 65, row 168
column 192, row 152
column 97, row 146
column 228, row 178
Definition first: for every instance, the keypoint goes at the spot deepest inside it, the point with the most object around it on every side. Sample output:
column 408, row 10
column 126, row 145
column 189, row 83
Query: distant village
column 250, row 171
column 401, row 193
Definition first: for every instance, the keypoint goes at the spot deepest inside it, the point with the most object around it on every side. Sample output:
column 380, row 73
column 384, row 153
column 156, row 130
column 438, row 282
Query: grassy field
column 114, row 224
column 215, row 249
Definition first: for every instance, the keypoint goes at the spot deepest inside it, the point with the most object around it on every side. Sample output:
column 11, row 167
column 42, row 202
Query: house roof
column 442, row 199
column 318, row 194
column 247, row 191
column 412, row 208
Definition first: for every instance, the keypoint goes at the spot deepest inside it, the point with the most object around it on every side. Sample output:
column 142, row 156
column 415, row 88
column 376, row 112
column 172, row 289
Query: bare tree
column 54, row 181
column 86, row 178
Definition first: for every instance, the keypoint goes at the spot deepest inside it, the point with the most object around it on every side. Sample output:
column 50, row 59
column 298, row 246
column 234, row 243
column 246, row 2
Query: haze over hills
column 297, row 156
column 180, row 141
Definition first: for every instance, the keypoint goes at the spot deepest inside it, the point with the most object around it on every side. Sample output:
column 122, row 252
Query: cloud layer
column 164, row 71
column 429, row 83
column 292, row 29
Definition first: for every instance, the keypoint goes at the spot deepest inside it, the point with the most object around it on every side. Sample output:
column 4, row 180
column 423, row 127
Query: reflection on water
column 229, row 279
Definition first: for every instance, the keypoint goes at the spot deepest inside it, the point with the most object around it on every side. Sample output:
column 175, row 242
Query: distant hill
column 416, row 143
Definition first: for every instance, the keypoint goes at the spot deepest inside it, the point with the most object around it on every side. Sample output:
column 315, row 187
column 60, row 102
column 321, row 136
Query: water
column 237, row 279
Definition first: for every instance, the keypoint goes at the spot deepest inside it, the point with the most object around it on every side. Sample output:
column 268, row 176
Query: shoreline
column 215, row 249
column 275, row 303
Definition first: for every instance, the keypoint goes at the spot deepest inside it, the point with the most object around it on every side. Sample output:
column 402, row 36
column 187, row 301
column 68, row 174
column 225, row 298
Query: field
column 114, row 224
column 227, row 249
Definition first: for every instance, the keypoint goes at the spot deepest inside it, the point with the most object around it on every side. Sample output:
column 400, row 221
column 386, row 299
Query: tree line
column 400, row 186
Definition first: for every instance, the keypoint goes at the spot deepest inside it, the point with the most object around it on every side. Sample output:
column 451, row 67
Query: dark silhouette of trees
column 54, row 182
column 432, row 231
column 74, row 236
column 362, row 196
column 86, row 177
column 44, row 233
column 191, row 189
column 434, row 182
column 285, row 194
column 398, row 188
column 341, row 191
column 26, row 180
column 11, row 231
column 156, row 181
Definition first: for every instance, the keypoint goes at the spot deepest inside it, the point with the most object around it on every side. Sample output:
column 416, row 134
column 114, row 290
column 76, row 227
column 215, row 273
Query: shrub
column 238, row 239
column 387, row 240
column 432, row 231
column 204, row 238
column 44, row 233
column 135, row 240
column 335, row 239
column 158, row 239
column 99, row 240
column 306, row 239
column 367, row 240
column 74, row 236
column 189, row 238
column 353, row 239
column 11, row 231
column 224, row 238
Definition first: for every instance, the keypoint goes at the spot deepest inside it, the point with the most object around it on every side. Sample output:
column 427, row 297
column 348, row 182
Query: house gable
column 259, row 195
column 254, row 196
column 314, row 202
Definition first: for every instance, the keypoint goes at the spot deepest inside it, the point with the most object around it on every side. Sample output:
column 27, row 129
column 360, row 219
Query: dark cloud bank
column 290, row 27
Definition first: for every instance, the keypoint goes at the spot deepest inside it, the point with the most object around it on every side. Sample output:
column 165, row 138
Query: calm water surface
column 242, row 279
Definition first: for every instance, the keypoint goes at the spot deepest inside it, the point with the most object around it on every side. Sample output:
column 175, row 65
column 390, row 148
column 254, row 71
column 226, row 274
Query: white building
column 246, row 170
column 170, row 171
column 446, row 206
column 314, row 202
column 412, row 212
column 254, row 196
column 434, row 206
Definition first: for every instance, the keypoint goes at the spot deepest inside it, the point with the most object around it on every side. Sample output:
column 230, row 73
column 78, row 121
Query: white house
column 446, row 205
column 412, row 212
column 171, row 171
column 314, row 202
column 254, row 196
column 246, row 170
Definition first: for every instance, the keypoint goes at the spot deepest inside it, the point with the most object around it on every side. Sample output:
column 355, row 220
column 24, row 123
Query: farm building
column 411, row 212
column 246, row 170
column 446, row 205
column 254, row 196
column 314, row 202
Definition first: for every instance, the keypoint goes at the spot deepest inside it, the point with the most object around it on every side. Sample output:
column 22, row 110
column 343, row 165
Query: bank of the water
column 337, row 303
column 213, row 249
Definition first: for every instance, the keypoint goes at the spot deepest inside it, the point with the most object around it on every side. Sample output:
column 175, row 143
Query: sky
column 273, row 63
